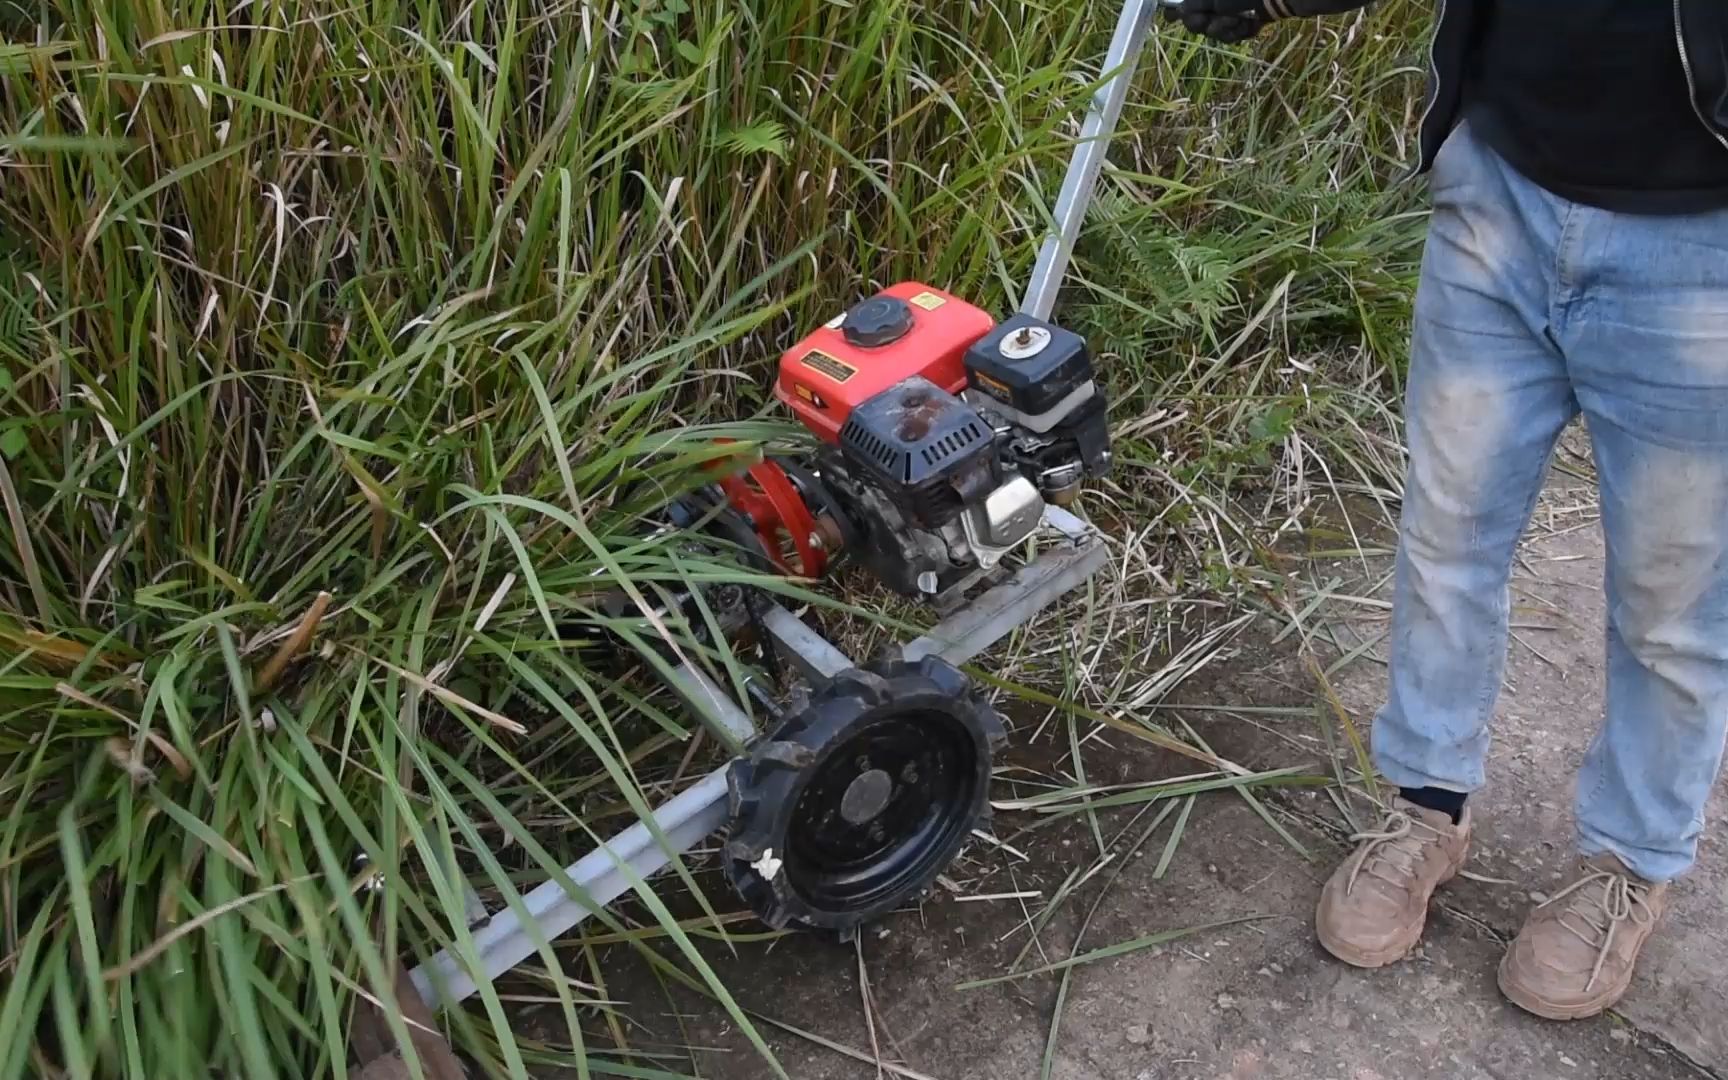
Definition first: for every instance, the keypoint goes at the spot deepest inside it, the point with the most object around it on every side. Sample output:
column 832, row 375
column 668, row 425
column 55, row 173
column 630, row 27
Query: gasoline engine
column 945, row 433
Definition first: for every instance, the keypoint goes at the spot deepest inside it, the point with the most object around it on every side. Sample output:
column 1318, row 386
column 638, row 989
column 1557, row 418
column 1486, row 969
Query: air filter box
column 1033, row 372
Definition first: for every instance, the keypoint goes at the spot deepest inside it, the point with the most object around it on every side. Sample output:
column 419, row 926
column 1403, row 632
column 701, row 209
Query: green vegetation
column 420, row 306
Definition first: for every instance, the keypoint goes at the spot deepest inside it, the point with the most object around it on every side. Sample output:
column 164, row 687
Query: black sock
column 1433, row 798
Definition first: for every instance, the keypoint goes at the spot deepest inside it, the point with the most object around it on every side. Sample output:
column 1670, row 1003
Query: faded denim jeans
column 1531, row 310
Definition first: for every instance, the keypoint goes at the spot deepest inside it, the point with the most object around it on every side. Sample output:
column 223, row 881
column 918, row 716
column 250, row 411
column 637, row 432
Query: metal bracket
column 1010, row 605
column 813, row 655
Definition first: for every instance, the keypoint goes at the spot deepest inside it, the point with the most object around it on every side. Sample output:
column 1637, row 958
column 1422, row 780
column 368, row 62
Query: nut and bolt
column 827, row 535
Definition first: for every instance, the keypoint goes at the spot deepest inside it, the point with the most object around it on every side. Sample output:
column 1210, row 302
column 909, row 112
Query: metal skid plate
column 987, row 618
column 505, row 941
column 606, row 873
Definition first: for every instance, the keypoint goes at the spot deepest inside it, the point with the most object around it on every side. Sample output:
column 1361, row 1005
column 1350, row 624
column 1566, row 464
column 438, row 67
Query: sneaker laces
column 1394, row 852
column 1595, row 917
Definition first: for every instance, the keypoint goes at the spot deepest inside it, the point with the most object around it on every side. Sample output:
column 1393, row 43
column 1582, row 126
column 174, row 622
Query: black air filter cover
column 930, row 452
column 1034, row 383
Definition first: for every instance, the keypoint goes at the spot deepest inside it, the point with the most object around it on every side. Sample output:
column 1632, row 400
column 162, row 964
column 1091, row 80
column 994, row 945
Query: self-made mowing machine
column 947, row 441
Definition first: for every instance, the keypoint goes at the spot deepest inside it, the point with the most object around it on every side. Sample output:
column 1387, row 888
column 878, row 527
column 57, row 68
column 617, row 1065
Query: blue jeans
column 1531, row 310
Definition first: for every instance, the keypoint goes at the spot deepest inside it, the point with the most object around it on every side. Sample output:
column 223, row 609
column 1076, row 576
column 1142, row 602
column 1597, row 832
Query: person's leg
column 1486, row 400
column 1649, row 356
column 1646, row 341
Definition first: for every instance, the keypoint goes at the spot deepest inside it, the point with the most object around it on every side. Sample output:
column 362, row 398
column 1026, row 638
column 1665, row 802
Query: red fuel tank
column 905, row 330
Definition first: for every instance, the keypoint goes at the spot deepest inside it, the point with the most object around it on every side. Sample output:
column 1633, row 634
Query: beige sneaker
column 1575, row 955
column 1373, row 909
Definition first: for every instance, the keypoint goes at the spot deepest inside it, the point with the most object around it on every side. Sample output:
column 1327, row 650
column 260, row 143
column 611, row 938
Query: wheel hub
column 866, row 796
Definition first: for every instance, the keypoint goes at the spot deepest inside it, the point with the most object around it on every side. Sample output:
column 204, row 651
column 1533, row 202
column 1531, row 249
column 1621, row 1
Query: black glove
column 1228, row 21
column 1238, row 20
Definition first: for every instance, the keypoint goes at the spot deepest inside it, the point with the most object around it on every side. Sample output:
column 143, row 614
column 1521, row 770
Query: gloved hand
column 1228, row 21
column 1239, row 20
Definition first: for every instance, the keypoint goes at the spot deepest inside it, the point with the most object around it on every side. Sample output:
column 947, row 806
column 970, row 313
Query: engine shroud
column 945, row 434
column 905, row 330
column 928, row 450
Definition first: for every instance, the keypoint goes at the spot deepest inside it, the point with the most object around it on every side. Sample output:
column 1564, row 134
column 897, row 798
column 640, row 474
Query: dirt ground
column 1256, row 998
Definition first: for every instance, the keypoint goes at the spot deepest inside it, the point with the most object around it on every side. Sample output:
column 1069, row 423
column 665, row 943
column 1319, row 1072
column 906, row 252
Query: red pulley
column 765, row 494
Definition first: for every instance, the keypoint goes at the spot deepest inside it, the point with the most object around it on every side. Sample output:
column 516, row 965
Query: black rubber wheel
column 854, row 804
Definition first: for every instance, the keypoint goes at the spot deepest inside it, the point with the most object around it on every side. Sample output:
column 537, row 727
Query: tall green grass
column 347, row 346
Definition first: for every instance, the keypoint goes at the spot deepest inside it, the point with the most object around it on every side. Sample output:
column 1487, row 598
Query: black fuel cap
column 877, row 321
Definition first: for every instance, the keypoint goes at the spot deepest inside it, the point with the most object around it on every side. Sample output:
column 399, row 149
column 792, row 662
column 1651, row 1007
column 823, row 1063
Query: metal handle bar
column 1088, row 159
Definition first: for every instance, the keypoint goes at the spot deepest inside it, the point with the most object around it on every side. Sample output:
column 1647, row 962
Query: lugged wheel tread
column 763, row 781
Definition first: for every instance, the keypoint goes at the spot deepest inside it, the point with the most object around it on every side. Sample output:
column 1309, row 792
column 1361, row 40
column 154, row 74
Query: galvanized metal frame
column 1078, row 183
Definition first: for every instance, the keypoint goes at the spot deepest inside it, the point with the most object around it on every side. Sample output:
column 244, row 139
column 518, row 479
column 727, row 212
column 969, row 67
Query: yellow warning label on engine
column 993, row 387
column 929, row 301
column 817, row 360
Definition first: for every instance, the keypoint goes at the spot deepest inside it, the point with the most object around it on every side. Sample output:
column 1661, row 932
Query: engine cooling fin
column 854, row 804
